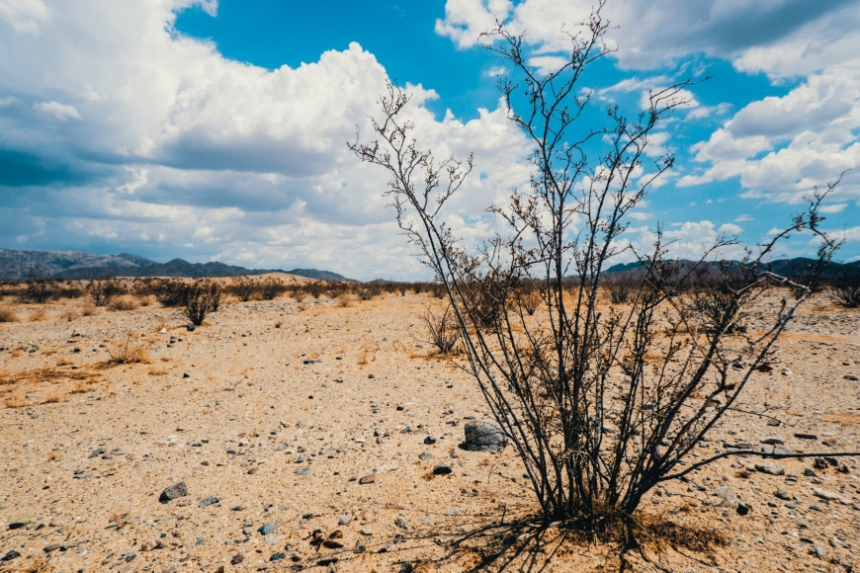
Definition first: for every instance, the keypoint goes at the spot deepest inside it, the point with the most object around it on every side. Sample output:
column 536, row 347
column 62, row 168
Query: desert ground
column 300, row 432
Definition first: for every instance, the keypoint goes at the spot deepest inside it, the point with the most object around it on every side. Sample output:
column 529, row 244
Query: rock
column 851, row 377
column 453, row 511
column 236, row 559
column 809, row 473
column 441, row 469
column 772, row 441
column 209, row 501
column 820, row 464
column 299, row 459
column 344, row 519
column 429, row 441
column 51, row 548
column 742, row 509
column 162, row 331
column 359, row 547
column 366, row 531
column 19, row 523
column 370, row 478
column 729, row 495
column 483, row 436
column 769, row 467
column 277, row 556
column 401, row 522
column 805, row 436
column 783, row 495
column 818, row 552
column 174, row 491
column 190, row 328
column 424, row 456
column 776, row 451
column 10, row 556
column 830, row 442
column 267, row 529
column 824, row 494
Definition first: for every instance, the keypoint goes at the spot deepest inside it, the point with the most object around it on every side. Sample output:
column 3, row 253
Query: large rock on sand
column 484, row 436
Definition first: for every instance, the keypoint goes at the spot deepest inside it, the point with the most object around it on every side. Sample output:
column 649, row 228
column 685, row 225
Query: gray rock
column 277, row 556
column 776, row 451
column 401, row 522
column 174, row 491
column 429, row 441
column 484, row 436
column 424, row 456
column 267, row 529
column 772, row 441
column 10, row 556
column 344, row 519
column 209, row 501
column 771, row 468
column 442, row 469
column 805, row 436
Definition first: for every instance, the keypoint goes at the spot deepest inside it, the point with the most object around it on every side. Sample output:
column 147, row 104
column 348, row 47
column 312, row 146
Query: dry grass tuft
column 124, row 302
column 8, row 315
column 69, row 315
column 127, row 354
column 38, row 315
column 343, row 300
column 89, row 309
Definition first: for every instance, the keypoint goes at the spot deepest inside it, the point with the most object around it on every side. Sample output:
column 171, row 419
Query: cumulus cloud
column 783, row 147
column 166, row 142
column 58, row 110
column 780, row 37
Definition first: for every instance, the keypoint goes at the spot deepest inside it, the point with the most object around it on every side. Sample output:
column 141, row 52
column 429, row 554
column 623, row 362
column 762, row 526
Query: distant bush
column 8, row 315
column 101, row 291
column 37, row 291
column 201, row 298
column 271, row 288
column 244, row 288
column 443, row 328
column 845, row 290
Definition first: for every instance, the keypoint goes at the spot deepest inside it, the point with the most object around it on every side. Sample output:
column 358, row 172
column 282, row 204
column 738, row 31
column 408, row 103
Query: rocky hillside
column 15, row 264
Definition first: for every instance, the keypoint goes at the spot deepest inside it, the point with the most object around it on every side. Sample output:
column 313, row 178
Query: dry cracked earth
column 306, row 436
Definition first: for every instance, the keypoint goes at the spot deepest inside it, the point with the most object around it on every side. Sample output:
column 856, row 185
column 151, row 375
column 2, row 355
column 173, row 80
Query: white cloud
column 783, row 147
column 186, row 147
column 779, row 37
column 58, row 110
column 834, row 208
column 25, row 16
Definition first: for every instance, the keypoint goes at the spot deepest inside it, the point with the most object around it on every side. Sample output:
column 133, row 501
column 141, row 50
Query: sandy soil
column 276, row 409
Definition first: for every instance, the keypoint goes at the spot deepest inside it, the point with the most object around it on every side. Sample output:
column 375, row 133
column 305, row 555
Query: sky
column 217, row 129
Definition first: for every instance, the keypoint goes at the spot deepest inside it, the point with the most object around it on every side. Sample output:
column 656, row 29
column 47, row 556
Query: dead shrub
column 201, row 298
column 243, row 287
column 443, row 328
column 845, row 290
column 101, row 291
column 271, row 288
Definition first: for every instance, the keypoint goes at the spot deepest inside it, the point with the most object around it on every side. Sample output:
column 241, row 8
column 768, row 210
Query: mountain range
column 18, row 264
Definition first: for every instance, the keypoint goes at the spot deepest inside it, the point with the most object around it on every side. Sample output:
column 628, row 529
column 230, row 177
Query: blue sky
column 216, row 130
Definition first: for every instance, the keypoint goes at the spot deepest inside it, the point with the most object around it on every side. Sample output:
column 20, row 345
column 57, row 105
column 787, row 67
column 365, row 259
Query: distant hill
column 15, row 264
column 785, row 267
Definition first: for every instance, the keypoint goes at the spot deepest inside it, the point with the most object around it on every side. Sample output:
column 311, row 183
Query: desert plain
column 315, row 436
